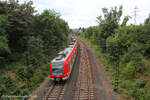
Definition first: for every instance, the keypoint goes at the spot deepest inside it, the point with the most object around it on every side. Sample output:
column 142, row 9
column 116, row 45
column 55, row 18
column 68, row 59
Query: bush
column 132, row 68
column 129, row 71
column 141, row 93
column 8, row 85
column 140, row 83
column 127, row 84
column 2, row 86
column 22, row 73
column 137, row 89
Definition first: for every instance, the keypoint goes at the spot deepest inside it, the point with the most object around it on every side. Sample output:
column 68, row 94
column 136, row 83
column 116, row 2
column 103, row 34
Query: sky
column 83, row 13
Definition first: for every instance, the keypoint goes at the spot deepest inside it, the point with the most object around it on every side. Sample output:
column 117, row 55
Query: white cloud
column 80, row 21
column 84, row 12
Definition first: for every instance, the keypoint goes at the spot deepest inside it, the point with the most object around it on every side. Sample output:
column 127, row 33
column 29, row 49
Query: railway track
column 84, row 85
column 55, row 92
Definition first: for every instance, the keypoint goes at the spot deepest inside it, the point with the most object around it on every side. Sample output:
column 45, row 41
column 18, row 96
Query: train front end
column 58, row 69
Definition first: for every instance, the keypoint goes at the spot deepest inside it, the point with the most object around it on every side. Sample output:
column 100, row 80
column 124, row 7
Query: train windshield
column 57, row 68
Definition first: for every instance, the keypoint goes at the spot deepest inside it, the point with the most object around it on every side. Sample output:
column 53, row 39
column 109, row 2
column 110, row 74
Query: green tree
column 108, row 23
column 52, row 29
column 147, row 20
column 20, row 18
column 147, row 40
column 4, row 49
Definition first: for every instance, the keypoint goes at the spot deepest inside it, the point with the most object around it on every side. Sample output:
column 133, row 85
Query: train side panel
column 50, row 68
column 71, row 58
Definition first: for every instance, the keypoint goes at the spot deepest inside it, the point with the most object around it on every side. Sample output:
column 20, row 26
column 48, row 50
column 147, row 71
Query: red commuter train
column 60, row 67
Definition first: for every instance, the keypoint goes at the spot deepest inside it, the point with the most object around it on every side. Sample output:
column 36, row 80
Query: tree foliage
column 108, row 23
column 30, row 39
column 20, row 28
column 20, row 18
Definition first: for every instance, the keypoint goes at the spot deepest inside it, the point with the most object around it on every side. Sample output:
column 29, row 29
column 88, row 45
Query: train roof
column 62, row 55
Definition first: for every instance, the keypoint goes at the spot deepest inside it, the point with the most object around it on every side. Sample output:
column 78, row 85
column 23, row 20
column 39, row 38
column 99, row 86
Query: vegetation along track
column 84, row 86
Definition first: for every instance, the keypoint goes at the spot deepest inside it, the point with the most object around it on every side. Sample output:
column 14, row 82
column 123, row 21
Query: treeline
column 27, row 41
column 131, row 43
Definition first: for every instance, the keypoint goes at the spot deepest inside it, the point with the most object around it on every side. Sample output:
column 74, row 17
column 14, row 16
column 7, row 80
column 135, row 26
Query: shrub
column 141, row 93
column 140, row 83
column 127, row 84
column 22, row 73
column 138, row 89
column 132, row 68
column 129, row 71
